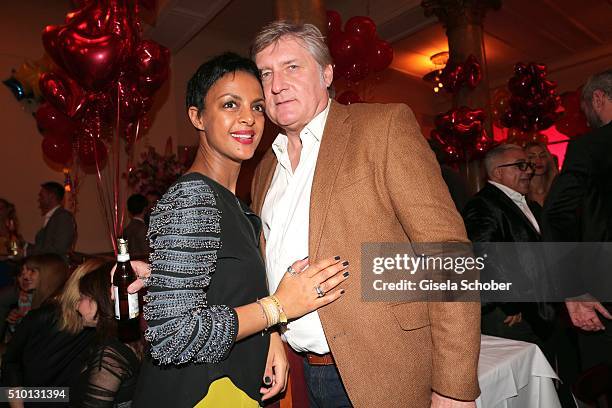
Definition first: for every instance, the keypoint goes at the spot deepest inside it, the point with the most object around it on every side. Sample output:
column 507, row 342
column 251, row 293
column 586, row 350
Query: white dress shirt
column 49, row 214
column 518, row 199
column 285, row 216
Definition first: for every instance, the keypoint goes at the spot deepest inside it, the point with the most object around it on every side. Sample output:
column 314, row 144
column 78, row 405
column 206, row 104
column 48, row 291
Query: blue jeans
column 325, row 389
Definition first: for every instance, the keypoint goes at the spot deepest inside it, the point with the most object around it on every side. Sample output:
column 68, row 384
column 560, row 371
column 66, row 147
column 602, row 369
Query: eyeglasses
column 522, row 165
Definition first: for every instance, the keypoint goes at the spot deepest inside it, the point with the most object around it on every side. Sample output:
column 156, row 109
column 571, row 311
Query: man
column 136, row 231
column 500, row 213
column 58, row 234
column 579, row 209
column 339, row 176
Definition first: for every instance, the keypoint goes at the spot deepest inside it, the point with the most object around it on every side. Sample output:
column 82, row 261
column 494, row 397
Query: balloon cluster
column 103, row 84
column 572, row 122
column 357, row 51
column 454, row 76
column 460, row 134
column 533, row 101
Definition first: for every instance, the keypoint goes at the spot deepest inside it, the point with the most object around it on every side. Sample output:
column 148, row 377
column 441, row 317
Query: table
column 514, row 374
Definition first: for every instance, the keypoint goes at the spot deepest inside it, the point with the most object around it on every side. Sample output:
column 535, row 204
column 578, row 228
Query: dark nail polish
column 337, row 257
column 267, row 380
column 345, row 263
column 345, row 274
column 342, row 291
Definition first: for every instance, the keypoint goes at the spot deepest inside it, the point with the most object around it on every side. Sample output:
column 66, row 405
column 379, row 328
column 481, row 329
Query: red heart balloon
column 50, row 42
column 57, row 149
column 52, row 122
column 357, row 71
column 334, row 22
column 347, row 48
column 91, row 19
column 152, row 64
column 92, row 60
column 380, row 55
column 131, row 105
column 361, row 26
column 92, row 154
column 62, row 91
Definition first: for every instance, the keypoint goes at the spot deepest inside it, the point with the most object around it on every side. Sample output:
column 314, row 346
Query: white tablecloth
column 514, row 374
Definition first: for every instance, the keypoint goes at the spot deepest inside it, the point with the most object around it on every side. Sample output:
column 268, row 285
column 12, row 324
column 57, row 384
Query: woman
column 109, row 376
column 9, row 227
column 544, row 173
column 208, row 302
column 48, row 347
column 41, row 277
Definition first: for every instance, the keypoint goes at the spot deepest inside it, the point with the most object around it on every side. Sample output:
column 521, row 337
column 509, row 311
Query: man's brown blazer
column 377, row 180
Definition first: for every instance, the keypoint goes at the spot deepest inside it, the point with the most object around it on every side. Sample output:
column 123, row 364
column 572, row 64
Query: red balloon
column 131, row 105
column 50, row 42
column 152, row 64
column 57, row 149
column 570, row 101
column 348, row 97
column 361, row 26
column 62, row 91
column 92, row 154
column 52, row 122
column 339, row 71
column 347, row 48
column 92, row 60
column 380, row 55
column 91, row 19
column 357, row 71
column 334, row 22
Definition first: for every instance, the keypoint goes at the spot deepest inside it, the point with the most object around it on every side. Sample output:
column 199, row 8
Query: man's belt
column 320, row 359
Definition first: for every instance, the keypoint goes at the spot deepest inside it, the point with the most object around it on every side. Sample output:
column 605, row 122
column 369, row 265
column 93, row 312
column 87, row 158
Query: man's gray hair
column 601, row 81
column 308, row 34
column 492, row 157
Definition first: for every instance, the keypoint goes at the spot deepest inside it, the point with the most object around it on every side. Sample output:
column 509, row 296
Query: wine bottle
column 127, row 309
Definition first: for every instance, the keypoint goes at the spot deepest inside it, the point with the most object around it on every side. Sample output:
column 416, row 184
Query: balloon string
column 104, row 204
column 117, row 163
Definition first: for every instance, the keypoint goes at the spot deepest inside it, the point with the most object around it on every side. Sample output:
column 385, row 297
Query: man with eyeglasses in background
column 501, row 213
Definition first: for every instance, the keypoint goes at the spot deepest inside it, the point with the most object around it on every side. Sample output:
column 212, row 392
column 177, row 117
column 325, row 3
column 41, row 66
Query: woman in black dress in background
column 207, row 300
column 109, row 375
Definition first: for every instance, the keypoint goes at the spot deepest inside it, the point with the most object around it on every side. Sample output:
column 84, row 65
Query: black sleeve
column 481, row 223
column 12, row 367
column 560, row 218
column 185, row 237
column 106, row 370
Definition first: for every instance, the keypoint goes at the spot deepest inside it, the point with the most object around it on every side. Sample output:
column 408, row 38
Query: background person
column 111, row 369
column 136, row 230
column 544, row 172
column 579, row 209
column 58, row 233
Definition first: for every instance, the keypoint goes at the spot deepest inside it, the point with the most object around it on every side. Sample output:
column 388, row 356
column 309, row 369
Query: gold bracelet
column 263, row 309
column 270, row 310
column 282, row 317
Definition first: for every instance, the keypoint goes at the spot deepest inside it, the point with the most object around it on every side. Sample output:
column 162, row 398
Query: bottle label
column 116, row 295
column 133, row 306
